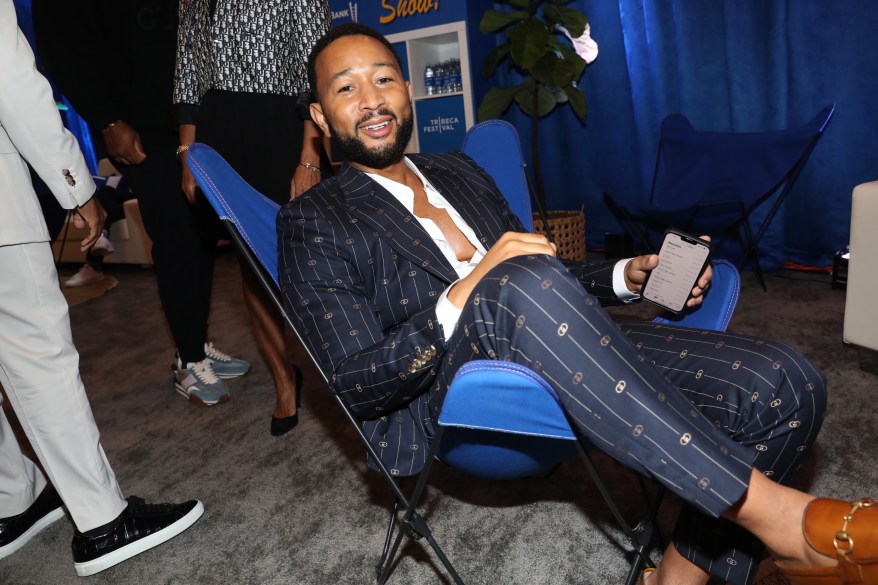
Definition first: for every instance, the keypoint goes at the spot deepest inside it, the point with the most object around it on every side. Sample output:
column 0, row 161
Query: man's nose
column 371, row 97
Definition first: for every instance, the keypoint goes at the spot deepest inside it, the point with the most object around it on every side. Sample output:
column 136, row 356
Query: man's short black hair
column 345, row 30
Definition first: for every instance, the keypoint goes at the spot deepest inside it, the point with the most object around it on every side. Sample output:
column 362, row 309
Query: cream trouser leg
column 39, row 371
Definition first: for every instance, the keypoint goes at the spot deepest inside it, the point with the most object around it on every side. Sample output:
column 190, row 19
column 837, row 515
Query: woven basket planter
column 568, row 227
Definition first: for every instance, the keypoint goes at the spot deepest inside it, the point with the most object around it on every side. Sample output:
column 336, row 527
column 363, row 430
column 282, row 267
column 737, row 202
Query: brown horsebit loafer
column 845, row 531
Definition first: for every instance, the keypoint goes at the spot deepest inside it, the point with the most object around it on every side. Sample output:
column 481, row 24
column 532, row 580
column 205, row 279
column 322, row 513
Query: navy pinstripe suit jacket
column 361, row 278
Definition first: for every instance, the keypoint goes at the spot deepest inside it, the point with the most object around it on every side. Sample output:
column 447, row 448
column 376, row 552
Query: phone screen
column 682, row 259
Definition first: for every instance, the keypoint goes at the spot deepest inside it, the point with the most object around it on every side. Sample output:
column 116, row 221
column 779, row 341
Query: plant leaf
column 573, row 20
column 520, row 3
column 494, row 20
column 529, row 41
column 545, row 101
column 497, row 101
column 554, row 71
column 494, row 58
column 568, row 54
column 577, row 101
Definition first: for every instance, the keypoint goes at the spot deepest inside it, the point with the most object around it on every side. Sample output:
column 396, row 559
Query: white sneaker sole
column 197, row 401
column 19, row 542
column 141, row 545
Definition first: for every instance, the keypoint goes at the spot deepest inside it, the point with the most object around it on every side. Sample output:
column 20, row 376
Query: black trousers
column 696, row 410
column 184, row 247
column 260, row 135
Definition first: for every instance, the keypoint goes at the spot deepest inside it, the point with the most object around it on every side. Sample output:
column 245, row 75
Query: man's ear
column 318, row 117
column 408, row 86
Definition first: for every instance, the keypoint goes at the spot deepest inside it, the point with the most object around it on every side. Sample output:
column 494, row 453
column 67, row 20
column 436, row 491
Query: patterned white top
column 253, row 46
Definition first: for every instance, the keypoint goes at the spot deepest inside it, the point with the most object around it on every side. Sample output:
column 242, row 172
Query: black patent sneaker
column 15, row 531
column 138, row 528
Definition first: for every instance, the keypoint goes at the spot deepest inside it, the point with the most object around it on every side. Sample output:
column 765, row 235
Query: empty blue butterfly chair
column 717, row 183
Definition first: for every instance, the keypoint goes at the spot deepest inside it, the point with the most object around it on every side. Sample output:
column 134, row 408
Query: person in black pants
column 118, row 71
column 240, row 72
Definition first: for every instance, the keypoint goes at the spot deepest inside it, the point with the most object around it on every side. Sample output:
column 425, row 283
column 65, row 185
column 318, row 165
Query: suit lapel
column 372, row 204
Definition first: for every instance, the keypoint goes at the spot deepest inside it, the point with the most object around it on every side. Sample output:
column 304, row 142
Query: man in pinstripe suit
column 402, row 268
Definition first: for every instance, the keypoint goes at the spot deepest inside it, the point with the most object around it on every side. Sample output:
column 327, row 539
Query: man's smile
column 377, row 129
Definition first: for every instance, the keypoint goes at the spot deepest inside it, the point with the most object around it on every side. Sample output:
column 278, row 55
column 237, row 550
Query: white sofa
column 861, row 307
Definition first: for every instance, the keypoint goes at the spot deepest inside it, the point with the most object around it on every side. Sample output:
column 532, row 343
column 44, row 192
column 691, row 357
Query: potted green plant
column 548, row 44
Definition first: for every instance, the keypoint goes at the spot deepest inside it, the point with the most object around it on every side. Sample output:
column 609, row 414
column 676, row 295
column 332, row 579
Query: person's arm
column 324, row 276
column 307, row 173
column 189, row 80
column 71, row 61
column 30, row 118
column 187, row 137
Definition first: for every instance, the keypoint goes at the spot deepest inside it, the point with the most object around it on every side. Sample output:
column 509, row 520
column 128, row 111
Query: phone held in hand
column 682, row 260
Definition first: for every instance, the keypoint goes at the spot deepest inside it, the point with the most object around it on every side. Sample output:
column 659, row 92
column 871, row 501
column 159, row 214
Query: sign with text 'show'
column 392, row 16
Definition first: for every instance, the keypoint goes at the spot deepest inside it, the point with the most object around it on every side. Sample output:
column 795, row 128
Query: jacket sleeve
column 30, row 118
column 322, row 257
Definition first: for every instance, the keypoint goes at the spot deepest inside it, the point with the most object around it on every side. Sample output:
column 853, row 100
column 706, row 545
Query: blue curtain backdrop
column 727, row 65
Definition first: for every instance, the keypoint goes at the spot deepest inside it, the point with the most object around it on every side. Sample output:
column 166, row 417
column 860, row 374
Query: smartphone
column 682, row 260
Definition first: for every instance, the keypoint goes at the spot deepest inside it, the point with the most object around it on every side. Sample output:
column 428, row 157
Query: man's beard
column 355, row 150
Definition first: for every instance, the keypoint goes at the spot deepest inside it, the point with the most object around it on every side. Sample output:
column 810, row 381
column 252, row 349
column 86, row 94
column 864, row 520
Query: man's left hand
column 637, row 269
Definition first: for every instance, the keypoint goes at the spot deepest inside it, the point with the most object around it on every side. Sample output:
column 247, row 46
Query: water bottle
column 429, row 78
column 457, row 80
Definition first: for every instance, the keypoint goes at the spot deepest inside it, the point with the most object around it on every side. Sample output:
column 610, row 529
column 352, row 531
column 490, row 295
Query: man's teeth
column 377, row 126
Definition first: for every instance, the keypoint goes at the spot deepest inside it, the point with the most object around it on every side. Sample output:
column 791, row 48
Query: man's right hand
column 90, row 215
column 123, row 143
column 510, row 245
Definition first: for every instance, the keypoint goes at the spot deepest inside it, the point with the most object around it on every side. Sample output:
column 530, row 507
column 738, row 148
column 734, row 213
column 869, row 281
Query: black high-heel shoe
column 283, row 425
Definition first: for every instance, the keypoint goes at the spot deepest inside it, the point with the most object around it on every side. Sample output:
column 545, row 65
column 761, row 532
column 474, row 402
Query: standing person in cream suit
column 39, row 366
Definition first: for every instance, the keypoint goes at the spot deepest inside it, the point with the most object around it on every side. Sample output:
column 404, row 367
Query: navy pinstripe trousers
column 696, row 410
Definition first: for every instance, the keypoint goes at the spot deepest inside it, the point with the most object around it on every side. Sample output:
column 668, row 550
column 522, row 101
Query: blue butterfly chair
column 722, row 182
column 528, row 434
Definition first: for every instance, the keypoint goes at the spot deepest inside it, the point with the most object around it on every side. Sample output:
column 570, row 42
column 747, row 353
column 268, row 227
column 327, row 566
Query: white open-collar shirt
column 446, row 312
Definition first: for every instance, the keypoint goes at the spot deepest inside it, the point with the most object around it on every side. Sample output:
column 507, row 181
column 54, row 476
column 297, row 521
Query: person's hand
column 303, row 179
column 123, row 143
column 637, row 269
column 189, row 184
column 89, row 215
column 510, row 245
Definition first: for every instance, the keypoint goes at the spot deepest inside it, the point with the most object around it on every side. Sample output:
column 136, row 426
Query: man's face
column 365, row 103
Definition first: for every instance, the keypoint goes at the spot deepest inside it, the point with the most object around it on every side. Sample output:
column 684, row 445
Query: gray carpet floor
column 304, row 509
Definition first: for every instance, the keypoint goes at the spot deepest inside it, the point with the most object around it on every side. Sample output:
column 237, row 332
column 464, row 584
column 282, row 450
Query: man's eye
column 385, row 80
column 345, row 88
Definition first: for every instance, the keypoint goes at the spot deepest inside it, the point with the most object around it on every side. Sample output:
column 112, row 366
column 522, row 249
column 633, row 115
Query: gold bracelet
column 310, row 167
column 182, row 148
column 109, row 126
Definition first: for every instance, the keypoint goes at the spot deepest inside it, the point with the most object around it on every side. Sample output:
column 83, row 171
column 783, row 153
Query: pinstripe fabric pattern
column 693, row 409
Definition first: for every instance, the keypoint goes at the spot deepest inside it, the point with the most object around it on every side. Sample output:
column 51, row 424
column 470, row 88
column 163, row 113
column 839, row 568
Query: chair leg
column 752, row 252
column 640, row 537
column 413, row 524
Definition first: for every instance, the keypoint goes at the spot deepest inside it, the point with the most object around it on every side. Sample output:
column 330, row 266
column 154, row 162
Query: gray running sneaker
column 199, row 383
column 224, row 365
